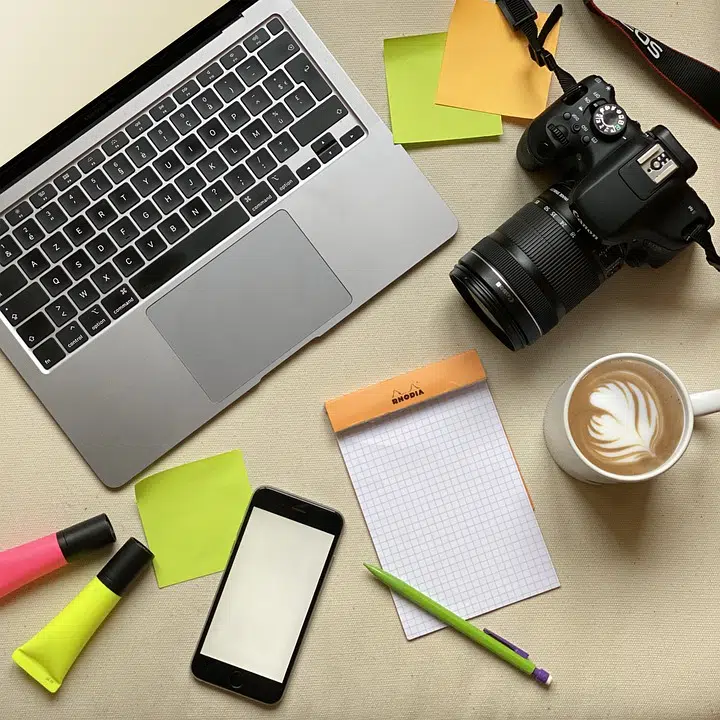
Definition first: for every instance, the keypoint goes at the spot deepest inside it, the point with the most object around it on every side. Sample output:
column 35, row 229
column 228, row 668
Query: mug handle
column 705, row 403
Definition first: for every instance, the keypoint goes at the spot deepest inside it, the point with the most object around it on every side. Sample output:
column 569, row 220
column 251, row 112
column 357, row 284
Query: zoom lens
column 536, row 267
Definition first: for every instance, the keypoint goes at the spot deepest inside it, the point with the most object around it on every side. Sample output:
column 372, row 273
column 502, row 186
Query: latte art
column 626, row 417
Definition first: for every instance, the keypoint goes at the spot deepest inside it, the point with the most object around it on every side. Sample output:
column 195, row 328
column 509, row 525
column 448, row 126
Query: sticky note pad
column 412, row 67
column 487, row 66
column 191, row 515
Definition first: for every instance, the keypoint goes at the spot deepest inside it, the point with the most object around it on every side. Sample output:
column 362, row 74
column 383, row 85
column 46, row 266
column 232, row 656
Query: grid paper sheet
column 446, row 506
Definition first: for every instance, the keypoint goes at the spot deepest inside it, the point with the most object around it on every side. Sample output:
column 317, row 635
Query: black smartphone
column 266, row 595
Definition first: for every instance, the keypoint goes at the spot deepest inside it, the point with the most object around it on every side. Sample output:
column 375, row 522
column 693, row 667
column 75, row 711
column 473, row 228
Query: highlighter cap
column 91, row 534
column 124, row 566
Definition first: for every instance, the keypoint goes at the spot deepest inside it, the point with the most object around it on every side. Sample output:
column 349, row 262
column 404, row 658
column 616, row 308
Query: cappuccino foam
column 626, row 417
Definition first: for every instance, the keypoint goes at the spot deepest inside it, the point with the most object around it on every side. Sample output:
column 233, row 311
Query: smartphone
column 266, row 595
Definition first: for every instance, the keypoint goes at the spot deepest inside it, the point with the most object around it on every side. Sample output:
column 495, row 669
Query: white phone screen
column 267, row 594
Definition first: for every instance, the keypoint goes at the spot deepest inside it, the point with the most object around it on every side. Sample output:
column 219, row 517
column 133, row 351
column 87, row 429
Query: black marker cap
column 91, row 534
column 124, row 566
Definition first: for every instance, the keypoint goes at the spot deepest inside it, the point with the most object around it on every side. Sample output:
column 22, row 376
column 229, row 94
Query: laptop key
column 28, row 234
column 239, row 179
column 116, row 143
column 119, row 168
column 209, row 74
column 278, row 84
column 56, row 281
column 4, row 227
column 303, row 71
column 19, row 213
column 282, row 180
column 123, row 231
column 11, row 280
column 141, row 152
column 91, row 161
column 319, row 120
column 278, row 117
column 308, row 168
column 352, row 136
column 151, row 245
column 173, row 228
column 188, row 250
column 128, row 261
column 283, row 147
column 101, row 248
column 168, row 199
column 322, row 143
column 35, row 330
column 251, row 71
column 300, row 101
column 145, row 215
column 195, row 212
column 137, row 128
column 83, row 294
column 146, row 181
column 212, row 133
column 101, row 214
column 71, row 337
column 94, row 320
column 229, row 87
column 256, row 100
column 79, row 231
column 190, row 182
column 96, row 185
column 74, row 201
column 61, row 311
column 64, row 181
column 49, row 354
column 51, row 217
column 184, row 93
column 234, row 150
column 56, row 247
column 257, row 199
column 106, row 278
column 207, row 103
column 256, row 134
column 78, row 264
column 24, row 304
column 256, row 40
column 33, row 263
column 163, row 108
column 43, row 195
column 163, row 136
column 212, row 166
column 9, row 250
column 275, row 26
column 330, row 152
column 119, row 302
column 261, row 163
column 124, row 198
column 234, row 116
column 278, row 51
column 168, row 165
column 217, row 195
column 190, row 149
column 233, row 57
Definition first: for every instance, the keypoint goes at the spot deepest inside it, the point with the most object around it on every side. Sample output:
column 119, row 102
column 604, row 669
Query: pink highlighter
column 23, row 564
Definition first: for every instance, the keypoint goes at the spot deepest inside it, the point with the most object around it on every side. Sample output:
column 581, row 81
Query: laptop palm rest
column 249, row 306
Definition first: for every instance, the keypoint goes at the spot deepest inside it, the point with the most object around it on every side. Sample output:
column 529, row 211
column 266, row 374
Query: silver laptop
column 175, row 240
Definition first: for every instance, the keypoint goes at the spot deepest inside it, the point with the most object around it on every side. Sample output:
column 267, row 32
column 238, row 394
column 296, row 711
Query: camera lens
column 536, row 267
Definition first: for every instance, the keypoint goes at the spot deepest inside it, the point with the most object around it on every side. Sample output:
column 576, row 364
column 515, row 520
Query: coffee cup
column 625, row 418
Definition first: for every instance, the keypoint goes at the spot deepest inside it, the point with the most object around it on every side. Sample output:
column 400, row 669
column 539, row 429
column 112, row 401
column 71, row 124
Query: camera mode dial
column 609, row 119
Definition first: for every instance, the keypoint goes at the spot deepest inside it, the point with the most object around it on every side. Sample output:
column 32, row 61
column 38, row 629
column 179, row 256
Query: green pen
column 490, row 641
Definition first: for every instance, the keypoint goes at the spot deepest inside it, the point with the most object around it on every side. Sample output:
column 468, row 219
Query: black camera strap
column 694, row 79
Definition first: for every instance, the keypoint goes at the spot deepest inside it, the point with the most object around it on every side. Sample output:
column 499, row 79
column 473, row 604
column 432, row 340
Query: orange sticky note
column 487, row 66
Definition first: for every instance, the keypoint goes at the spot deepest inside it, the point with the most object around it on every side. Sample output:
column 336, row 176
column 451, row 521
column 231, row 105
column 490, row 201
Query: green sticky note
column 191, row 515
column 412, row 68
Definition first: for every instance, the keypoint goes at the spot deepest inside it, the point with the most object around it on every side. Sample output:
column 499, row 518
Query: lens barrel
column 536, row 267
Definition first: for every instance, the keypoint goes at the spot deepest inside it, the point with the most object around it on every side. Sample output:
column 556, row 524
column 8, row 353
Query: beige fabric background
column 634, row 632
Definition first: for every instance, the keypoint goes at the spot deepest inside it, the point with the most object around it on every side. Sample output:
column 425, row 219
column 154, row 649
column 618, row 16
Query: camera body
column 622, row 198
column 629, row 188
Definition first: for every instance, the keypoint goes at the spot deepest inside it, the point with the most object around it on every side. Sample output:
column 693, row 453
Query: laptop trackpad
column 249, row 306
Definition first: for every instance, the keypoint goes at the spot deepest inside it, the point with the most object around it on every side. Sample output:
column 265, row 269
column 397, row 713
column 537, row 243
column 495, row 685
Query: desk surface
column 635, row 629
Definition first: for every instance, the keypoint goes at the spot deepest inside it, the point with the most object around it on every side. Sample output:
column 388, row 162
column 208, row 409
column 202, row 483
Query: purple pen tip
column 542, row 676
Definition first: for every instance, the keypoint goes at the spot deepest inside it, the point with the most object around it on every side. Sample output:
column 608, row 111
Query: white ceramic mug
column 566, row 453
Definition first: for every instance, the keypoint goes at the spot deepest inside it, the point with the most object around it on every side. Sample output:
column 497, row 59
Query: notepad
column 442, row 496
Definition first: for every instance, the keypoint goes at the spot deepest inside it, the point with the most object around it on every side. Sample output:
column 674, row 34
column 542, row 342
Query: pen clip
column 507, row 643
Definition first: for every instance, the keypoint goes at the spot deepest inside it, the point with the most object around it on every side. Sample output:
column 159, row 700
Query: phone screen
column 267, row 595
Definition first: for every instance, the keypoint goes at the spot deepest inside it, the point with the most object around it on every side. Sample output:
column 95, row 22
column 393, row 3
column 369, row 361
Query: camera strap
column 694, row 79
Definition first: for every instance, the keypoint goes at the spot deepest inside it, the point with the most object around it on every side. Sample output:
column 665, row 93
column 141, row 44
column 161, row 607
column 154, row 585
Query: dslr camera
column 623, row 199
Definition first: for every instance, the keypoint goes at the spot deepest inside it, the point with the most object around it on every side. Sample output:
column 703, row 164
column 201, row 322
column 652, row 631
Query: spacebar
column 186, row 252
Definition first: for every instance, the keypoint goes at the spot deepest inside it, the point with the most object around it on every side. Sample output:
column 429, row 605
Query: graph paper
column 446, row 506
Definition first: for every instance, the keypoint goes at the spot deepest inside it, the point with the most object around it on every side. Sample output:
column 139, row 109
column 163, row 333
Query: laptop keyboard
column 87, row 247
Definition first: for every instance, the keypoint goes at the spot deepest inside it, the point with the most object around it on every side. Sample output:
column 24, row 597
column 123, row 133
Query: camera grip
column 525, row 158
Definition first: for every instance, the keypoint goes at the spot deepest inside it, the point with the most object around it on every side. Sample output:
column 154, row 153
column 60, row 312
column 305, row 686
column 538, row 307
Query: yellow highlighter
column 49, row 655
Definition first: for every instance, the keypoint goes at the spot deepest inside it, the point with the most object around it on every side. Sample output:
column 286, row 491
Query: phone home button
column 236, row 680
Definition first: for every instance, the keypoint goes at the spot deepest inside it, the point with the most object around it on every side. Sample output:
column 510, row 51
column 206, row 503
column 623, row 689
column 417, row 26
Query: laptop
column 167, row 246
